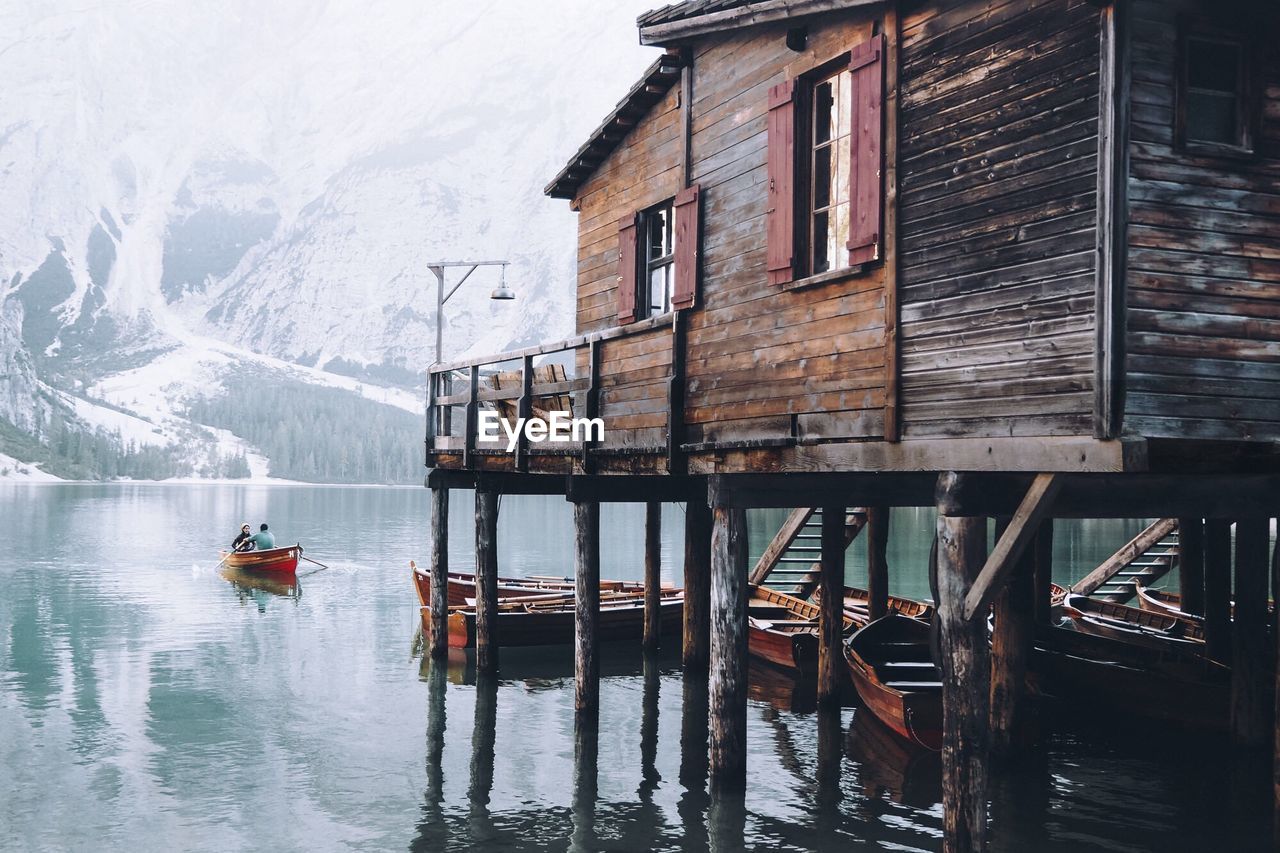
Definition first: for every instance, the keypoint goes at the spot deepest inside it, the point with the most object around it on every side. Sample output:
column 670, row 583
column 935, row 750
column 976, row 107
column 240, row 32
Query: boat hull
column 913, row 715
column 553, row 626
column 279, row 560
column 461, row 587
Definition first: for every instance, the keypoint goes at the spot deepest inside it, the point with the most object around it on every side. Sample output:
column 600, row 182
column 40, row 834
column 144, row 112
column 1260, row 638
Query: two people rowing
column 260, row 541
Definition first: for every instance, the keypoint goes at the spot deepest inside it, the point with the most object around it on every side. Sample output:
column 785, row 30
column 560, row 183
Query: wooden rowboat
column 1160, row 601
column 462, row 586
column 892, row 668
column 857, row 606
column 283, row 560
column 544, row 620
column 1131, row 624
column 783, row 630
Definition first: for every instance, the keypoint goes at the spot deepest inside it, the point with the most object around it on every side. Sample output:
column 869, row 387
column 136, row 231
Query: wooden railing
column 598, row 375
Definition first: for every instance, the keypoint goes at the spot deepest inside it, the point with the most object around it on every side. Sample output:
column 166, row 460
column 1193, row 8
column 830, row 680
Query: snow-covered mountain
column 209, row 186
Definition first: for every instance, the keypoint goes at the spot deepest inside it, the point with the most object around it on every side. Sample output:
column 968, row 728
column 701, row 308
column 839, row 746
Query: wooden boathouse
column 1008, row 258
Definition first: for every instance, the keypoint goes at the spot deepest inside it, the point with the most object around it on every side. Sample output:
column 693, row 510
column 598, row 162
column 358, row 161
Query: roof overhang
column 653, row 85
column 681, row 21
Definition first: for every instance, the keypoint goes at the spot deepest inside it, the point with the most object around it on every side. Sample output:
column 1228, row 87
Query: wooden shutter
column 688, row 235
column 865, row 142
column 780, row 228
column 627, row 244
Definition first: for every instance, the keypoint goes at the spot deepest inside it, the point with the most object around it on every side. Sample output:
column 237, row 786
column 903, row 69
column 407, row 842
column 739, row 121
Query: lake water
column 149, row 703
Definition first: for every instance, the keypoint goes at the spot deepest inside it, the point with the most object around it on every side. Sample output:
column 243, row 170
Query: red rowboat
column 284, row 560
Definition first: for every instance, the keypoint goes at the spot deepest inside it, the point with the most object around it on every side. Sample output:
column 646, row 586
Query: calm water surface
column 147, row 702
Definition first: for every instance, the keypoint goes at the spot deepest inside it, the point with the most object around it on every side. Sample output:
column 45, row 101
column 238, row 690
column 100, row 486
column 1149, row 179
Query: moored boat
column 1131, row 624
column 892, row 668
column 462, row 586
column 783, row 630
column 283, row 560
column 857, row 606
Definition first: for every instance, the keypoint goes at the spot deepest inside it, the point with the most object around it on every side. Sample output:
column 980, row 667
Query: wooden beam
column 586, row 576
column 697, row 586
column 469, row 421
column 652, row 576
column 487, row 640
column 438, row 642
column 1217, row 591
column 524, row 409
column 1126, row 555
column 1008, row 551
column 892, row 347
column 745, row 491
column 1191, row 565
column 728, row 686
column 878, row 561
column 778, row 545
column 966, row 680
column 831, row 604
column 1251, row 723
column 1043, row 548
column 631, row 488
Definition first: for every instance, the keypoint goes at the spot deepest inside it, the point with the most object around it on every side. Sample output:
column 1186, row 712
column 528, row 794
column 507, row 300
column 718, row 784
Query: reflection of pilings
column 693, row 761
column 649, row 777
column 726, row 822
column 830, row 754
column 1021, row 794
column 483, row 736
column 432, row 832
column 586, row 757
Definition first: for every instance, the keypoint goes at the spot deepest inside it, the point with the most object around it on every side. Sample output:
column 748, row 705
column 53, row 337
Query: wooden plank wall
column 997, row 197
column 764, row 361
column 1204, row 260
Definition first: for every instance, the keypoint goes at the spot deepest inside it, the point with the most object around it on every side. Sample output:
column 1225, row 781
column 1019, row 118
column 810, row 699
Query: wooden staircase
column 1146, row 558
column 790, row 564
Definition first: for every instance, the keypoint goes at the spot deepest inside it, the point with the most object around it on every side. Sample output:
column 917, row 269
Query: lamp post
column 500, row 293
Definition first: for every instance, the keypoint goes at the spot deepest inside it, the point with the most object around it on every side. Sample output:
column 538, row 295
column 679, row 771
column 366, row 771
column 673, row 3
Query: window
column 825, row 196
column 659, row 259
column 1214, row 110
column 830, row 125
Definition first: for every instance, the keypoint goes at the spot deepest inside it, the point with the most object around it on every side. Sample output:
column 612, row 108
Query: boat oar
column 317, row 562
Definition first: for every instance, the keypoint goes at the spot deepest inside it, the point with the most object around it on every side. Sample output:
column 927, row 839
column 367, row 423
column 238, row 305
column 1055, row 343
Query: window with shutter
column 866, row 77
column 627, row 269
column 687, row 246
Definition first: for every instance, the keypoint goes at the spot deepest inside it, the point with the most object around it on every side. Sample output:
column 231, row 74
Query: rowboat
column 462, row 586
column 1160, row 601
column 892, row 668
column 1131, row 624
column 283, row 560
column 783, row 630
column 857, row 606
column 547, row 620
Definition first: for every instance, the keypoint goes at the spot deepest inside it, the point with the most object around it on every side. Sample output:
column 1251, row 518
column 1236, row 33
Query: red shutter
column 627, row 269
column 867, row 69
column 688, row 247
column 781, row 212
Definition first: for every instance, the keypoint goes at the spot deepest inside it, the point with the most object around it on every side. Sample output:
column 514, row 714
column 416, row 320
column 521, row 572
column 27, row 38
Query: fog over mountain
column 195, row 195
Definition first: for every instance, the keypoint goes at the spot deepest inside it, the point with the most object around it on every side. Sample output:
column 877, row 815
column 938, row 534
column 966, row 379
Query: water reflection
column 257, row 587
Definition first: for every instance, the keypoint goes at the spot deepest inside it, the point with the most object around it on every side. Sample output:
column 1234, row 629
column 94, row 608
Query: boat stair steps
column 1145, row 559
column 792, row 557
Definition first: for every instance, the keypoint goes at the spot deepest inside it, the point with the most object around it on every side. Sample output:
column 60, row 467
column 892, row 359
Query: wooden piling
column 831, row 604
column 1191, row 564
column 728, row 684
column 486, row 580
column 652, row 575
column 438, row 642
column 1275, row 756
column 966, row 678
column 1250, row 664
column 1217, row 590
column 877, row 560
column 1015, row 613
column 697, row 585
column 586, row 573
column 1042, row 554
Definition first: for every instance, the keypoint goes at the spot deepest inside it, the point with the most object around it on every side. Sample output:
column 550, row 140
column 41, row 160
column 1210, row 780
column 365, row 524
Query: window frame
column 803, row 171
column 647, row 265
column 1247, row 102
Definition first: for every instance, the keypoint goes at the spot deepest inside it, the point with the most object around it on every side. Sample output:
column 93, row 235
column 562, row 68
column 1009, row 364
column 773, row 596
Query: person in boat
column 242, row 542
column 263, row 539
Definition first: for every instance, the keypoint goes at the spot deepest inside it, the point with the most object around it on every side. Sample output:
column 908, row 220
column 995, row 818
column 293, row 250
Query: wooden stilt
column 1217, row 590
column 1275, row 761
column 649, row 775
column 728, row 685
column 1191, row 564
column 831, row 612
column 966, row 684
column 1042, row 549
column 697, row 585
column 1015, row 610
column 586, row 572
column 831, row 734
column 1250, row 711
column 434, row 830
column 586, row 776
column 486, row 581
column 877, row 560
column 438, row 642
column 484, row 736
column 652, row 575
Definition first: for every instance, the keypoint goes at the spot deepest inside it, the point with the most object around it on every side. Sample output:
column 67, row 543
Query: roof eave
column 753, row 14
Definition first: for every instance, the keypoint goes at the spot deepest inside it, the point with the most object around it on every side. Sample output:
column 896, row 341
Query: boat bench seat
column 914, row 686
column 794, row 623
column 900, row 652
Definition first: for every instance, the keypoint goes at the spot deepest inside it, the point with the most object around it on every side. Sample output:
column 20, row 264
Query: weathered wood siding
column 1204, row 257
column 765, row 361
column 642, row 171
column 997, row 214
